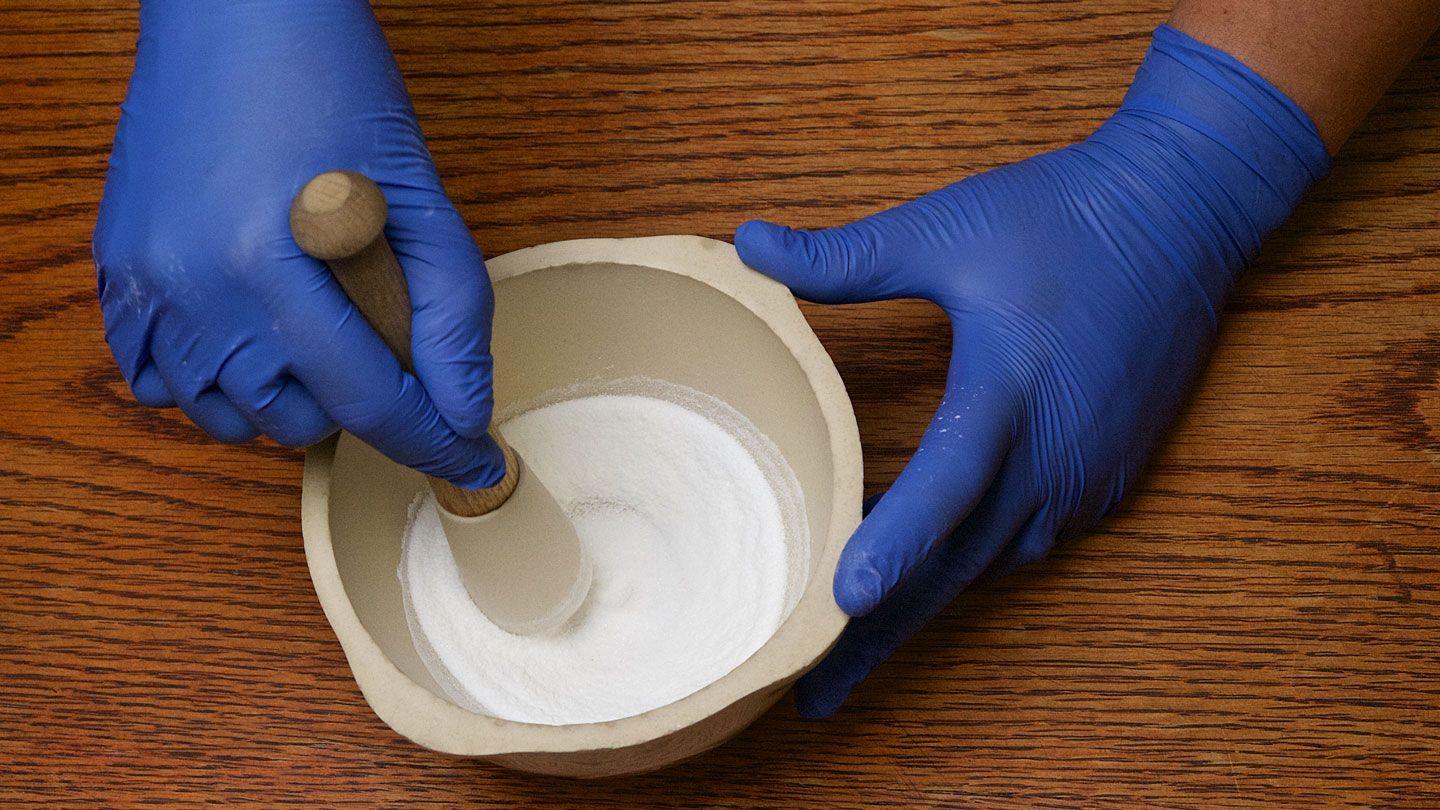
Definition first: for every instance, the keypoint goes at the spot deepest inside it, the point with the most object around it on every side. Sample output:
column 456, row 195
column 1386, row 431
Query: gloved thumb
column 453, row 306
column 844, row 265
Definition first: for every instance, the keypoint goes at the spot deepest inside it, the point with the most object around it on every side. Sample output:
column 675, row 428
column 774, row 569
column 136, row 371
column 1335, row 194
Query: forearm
column 1333, row 57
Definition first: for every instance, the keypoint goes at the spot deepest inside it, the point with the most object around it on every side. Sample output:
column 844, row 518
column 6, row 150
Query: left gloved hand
column 210, row 305
column 1083, row 287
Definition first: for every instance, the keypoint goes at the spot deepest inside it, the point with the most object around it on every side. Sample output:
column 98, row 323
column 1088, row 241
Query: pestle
column 516, row 550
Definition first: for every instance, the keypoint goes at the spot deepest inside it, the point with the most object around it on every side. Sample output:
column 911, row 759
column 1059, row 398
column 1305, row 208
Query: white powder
column 695, row 526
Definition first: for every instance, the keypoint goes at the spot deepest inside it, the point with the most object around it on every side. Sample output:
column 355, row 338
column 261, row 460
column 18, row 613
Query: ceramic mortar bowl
column 676, row 308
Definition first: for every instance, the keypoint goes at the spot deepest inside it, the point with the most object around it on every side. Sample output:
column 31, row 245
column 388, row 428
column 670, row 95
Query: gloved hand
column 1083, row 287
column 208, row 302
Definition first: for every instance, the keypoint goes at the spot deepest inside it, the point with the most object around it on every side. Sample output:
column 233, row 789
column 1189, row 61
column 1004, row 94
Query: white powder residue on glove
column 684, row 508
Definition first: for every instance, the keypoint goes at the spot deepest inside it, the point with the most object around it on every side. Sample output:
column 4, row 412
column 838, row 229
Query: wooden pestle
column 516, row 550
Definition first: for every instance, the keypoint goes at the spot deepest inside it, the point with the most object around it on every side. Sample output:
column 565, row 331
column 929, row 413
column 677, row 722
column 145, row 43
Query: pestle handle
column 339, row 217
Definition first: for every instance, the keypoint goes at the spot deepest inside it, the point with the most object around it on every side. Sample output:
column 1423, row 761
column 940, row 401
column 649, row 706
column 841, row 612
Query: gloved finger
column 453, row 305
column 350, row 371
column 290, row 416
column 848, row 264
column 129, row 329
column 949, row 569
column 148, row 387
column 1031, row 545
column 208, row 406
column 187, row 369
column 953, row 467
column 274, row 402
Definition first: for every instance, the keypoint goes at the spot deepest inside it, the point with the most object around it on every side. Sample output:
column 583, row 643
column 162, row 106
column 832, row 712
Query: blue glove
column 1083, row 287
column 208, row 302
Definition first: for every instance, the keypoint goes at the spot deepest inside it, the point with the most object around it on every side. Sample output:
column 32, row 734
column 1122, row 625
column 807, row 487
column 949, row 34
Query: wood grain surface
column 1260, row 626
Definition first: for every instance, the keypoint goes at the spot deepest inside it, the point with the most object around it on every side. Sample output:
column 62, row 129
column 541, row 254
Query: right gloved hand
column 208, row 302
column 1084, row 288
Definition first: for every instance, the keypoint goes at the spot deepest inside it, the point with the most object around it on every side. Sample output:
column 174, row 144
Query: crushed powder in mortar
column 685, row 510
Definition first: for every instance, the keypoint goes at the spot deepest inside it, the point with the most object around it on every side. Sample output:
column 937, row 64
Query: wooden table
column 1260, row 625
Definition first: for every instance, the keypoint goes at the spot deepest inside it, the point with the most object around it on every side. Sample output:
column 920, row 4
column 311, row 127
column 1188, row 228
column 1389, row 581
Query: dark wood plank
column 1261, row 624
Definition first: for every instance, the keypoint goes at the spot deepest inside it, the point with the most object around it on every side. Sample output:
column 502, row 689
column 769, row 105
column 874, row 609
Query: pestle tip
column 522, row 563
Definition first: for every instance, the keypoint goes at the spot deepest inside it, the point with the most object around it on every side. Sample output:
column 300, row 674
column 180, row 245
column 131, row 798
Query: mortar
column 678, row 308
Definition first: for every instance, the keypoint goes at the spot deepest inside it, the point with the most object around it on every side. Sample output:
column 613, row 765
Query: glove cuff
column 1241, row 151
